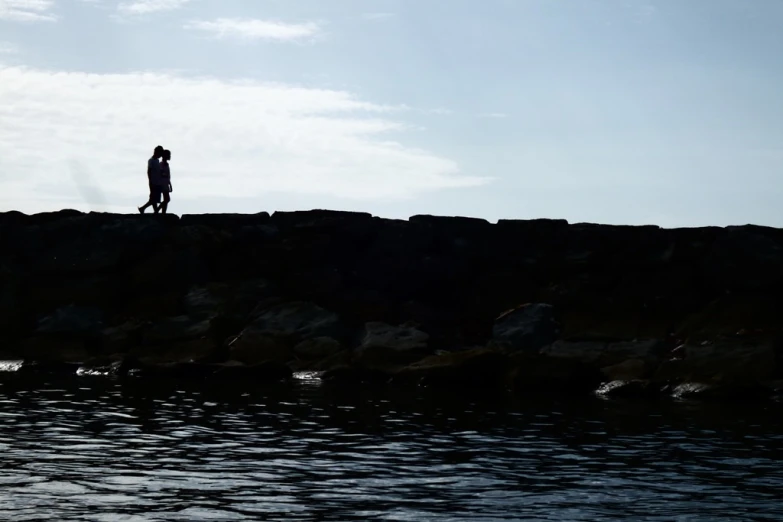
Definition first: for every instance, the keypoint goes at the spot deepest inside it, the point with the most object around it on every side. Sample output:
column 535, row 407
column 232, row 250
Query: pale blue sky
column 616, row 111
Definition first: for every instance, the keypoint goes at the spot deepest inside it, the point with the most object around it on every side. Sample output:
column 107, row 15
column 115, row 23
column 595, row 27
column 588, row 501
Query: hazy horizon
column 659, row 112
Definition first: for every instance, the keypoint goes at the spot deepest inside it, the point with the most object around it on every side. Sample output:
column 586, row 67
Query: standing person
column 165, row 180
column 153, row 176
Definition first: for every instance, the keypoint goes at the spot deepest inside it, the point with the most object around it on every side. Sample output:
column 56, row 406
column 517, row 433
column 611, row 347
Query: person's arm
column 153, row 167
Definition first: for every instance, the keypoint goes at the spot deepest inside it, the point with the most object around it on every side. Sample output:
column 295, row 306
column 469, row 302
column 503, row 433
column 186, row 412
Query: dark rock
column 394, row 344
column 540, row 374
column 474, row 368
column 52, row 349
column 268, row 371
column 745, row 259
column 81, row 256
column 298, row 319
column 173, row 329
column 121, row 338
column 318, row 218
column 254, row 346
column 173, row 370
column 271, row 289
column 317, row 348
column 734, row 360
column 224, row 221
column 632, row 389
column 276, row 330
column 603, row 354
column 527, row 328
column 44, row 294
column 137, row 231
column 356, row 376
column 151, row 307
column 71, row 321
column 629, row 370
column 201, row 302
column 9, row 307
column 53, row 368
column 200, row 350
column 339, row 359
column 730, row 314
column 721, row 391
column 103, row 369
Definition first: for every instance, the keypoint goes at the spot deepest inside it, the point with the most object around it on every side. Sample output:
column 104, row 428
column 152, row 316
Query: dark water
column 95, row 449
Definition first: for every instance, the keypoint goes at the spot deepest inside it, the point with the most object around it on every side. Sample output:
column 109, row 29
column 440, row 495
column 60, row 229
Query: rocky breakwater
column 528, row 306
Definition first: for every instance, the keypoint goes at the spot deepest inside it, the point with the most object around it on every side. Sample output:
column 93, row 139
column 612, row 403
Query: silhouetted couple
column 159, row 176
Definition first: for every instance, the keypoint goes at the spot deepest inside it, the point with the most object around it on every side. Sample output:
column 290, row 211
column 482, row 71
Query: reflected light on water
column 97, row 449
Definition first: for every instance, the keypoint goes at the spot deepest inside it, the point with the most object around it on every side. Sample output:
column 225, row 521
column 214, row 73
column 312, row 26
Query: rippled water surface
column 95, row 449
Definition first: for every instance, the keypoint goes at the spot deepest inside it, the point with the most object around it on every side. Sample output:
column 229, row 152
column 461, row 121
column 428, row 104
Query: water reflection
column 95, row 449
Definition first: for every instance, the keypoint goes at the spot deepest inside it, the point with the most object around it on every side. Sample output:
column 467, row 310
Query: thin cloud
column 493, row 115
column 253, row 29
column 142, row 7
column 229, row 139
column 378, row 16
column 26, row 10
column 8, row 48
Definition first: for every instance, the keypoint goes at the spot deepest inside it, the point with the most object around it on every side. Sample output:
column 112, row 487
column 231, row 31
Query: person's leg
column 156, row 199
column 150, row 202
column 165, row 205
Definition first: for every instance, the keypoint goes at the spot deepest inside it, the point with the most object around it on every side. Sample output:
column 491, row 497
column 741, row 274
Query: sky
column 666, row 112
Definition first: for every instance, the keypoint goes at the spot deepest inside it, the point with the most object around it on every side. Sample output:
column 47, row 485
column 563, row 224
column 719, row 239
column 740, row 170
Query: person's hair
column 167, row 155
column 159, row 150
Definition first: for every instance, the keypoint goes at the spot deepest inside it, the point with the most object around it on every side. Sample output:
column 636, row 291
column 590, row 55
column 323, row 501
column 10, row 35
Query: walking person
column 165, row 181
column 154, row 178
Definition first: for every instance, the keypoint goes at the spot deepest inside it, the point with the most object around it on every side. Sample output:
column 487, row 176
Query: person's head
column 167, row 155
column 158, row 152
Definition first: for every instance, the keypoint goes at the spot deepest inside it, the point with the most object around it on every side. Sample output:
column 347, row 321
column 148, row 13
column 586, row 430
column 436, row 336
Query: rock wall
column 431, row 300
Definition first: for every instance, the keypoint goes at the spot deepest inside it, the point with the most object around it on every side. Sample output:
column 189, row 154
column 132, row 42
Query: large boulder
column 43, row 294
column 745, row 258
column 300, row 320
column 232, row 300
column 747, row 360
column 629, row 389
column 721, row 391
column 175, row 329
column 261, row 373
column 156, row 270
column 201, row 301
column 317, row 348
column 166, row 303
column 473, row 368
column 276, row 330
column 79, row 255
column 121, row 338
column 527, row 328
column 629, row 370
column 9, row 308
column 383, row 343
column 533, row 374
column 223, row 221
column 51, row 349
column 731, row 314
column 192, row 350
column 603, row 355
column 253, row 346
column 138, row 231
column 71, row 321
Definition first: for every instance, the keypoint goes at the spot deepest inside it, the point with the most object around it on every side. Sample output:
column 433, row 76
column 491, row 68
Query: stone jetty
column 536, row 306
